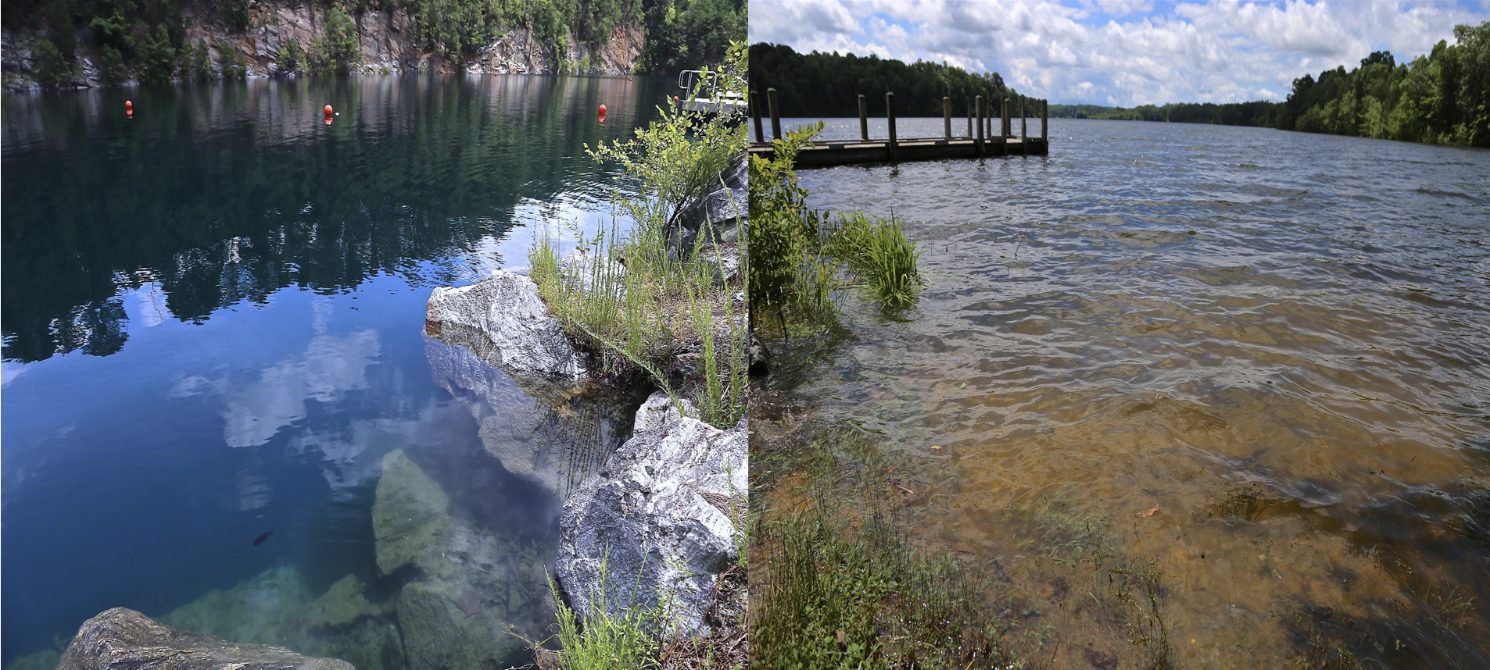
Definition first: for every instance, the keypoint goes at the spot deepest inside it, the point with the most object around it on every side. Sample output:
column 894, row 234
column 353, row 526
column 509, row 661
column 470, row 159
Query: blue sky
column 1122, row 52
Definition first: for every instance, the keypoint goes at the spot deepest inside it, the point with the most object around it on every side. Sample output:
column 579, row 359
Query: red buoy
column 328, row 120
column 129, row 106
column 328, row 110
column 602, row 113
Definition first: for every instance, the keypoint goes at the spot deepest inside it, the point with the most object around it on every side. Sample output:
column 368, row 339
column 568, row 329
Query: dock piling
column 970, row 119
column 755, row 111
column 890, row 119
column 978, row 143
column 1024, row 143
column 775, row 113
column 1044, row 120
column 863, row 118
column 947, row 117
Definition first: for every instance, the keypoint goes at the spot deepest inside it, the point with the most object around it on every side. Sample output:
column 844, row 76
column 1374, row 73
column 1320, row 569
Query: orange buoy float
column 328, row 110
column 602, row 113
column 129, row 106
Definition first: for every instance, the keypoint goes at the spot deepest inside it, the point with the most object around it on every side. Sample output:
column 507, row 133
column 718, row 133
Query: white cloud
column 254, row 411
column 1124, row 51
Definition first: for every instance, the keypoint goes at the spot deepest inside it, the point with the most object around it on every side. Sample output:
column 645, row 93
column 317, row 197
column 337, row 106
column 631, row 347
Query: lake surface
column 213, row 328
column 1280, row 340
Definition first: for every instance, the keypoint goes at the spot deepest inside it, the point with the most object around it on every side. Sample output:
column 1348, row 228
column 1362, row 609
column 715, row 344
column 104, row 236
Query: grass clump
column 800, row 257
column 880, row 256
column 644, row 305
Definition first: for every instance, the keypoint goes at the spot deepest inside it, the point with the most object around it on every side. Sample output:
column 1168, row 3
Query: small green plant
column 605, row 642
column 290, row 57
column 880, row 256
column 51, row 68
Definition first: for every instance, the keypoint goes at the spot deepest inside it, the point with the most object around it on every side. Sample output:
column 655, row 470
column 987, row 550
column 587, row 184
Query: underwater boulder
column 411, row 518
column 660, row 516
column 124, row 638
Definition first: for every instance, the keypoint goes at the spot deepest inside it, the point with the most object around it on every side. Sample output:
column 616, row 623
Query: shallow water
column 1166, row 315
column 213, row 319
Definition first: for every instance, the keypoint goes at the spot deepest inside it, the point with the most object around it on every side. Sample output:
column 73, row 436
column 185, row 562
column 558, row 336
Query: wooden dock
column 982, row 144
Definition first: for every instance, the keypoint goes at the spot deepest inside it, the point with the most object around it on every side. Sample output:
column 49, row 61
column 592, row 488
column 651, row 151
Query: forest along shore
column 61, row 44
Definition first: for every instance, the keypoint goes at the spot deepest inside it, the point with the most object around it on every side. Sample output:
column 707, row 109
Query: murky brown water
column 1281, row 340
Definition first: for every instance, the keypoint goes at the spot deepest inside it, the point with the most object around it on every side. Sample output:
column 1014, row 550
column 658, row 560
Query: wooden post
column 970, row 119
column 947, row 116
column 755, row 109
column 1024, row 141
column 978, row 143
column 863, row 118
column 1045, row 124
column 1004, row 127
column 775, row 113
column 890, row 121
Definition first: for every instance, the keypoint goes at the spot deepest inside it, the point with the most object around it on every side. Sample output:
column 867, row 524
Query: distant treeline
column 819, row 85
column 1260, row 113
column 1440, row 98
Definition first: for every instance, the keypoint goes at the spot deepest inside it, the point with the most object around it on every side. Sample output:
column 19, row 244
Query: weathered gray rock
column 661, row 510
column 503, row 319
column 724, row 209
column 757, row 357
column 124, row 638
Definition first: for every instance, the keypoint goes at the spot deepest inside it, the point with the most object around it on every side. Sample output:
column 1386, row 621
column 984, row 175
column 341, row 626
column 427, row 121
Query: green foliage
column 633, row 315
column 880, row 256
column 198, row 60
column 111, row 30
column 157, row 57
column 289, row 58
column 604, row 642
column 687, row 34
column 1440, row 98
column 111, row 65
column 790, row 272
column 234, row 13
column 51, row 67
column 233, row 65
column 820, row 85
column 338, row 48
column 59, row 30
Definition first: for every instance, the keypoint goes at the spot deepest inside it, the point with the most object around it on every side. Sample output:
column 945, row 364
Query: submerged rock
column 503, row 319
column 551, row 431
column 659, row 516
column 124, row 638
column 467, row 582
column 411, row 517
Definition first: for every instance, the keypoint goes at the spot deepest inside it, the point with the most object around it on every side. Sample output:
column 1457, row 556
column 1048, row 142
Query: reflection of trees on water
column 227, row 193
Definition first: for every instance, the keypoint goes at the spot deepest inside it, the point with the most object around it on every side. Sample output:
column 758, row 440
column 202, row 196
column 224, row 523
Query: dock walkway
column 983, row 144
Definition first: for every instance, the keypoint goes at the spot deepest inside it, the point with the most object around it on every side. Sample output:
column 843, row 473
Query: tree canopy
column 819, row 85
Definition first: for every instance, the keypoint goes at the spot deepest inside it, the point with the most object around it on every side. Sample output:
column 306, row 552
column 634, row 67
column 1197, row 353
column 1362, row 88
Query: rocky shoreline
column 387, row 43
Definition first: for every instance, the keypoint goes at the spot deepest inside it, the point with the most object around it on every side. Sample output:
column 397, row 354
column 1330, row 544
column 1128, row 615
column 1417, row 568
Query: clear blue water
column 213, row 316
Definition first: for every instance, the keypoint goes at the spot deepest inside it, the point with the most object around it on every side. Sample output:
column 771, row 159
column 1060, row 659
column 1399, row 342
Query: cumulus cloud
column 1125, row 52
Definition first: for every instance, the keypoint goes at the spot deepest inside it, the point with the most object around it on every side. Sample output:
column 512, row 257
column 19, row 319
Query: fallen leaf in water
column 1099, row 659
column 1149, row 512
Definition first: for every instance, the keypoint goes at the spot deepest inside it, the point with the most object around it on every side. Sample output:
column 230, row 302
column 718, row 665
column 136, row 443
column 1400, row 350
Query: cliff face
column 386, row 39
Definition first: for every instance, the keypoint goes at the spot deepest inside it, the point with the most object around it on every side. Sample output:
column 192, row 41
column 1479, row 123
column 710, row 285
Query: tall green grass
column 880, row 256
